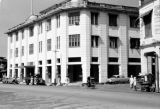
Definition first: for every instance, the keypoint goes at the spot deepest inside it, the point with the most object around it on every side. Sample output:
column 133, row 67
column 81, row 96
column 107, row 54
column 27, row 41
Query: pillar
column 144, row 65
column 103, row 47
column 85, row 43
column 123, row 42
column 64, row 46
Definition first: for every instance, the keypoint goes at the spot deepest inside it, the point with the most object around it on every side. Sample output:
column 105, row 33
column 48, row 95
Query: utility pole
column 31, row 7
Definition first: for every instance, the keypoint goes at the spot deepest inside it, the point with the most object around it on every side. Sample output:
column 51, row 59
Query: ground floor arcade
column 75, row 72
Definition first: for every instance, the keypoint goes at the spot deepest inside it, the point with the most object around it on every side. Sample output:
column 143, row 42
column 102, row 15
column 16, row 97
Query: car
column 115, row 79
column 10, row 81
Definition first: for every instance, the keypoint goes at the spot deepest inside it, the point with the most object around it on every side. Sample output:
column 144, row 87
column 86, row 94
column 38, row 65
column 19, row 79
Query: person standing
column 135, row 83
column 131, row 81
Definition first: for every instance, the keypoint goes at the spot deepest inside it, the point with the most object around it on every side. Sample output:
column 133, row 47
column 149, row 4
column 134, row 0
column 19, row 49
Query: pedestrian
column 135, row 83
column 59, row 80
column 67, row 80
column 131, row 81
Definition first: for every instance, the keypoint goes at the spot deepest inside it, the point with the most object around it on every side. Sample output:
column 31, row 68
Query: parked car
column 115, row 79
column 10, row 81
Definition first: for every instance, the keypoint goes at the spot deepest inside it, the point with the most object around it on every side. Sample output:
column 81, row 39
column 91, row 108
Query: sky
column 14, row 12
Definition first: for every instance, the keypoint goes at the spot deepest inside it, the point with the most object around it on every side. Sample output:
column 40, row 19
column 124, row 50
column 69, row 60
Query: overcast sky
column 13, row 12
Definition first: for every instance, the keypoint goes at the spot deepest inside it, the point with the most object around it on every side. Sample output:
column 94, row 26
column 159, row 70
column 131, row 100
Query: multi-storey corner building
column 77, row 38
column 150, row 37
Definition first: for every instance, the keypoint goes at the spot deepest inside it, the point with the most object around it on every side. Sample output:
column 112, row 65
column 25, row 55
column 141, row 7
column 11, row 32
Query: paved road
column 43, row 97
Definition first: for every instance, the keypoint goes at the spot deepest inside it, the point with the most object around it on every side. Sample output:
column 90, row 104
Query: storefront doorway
column 113, row 70
column 30, row 71
column 94, row 72
column 75, row 73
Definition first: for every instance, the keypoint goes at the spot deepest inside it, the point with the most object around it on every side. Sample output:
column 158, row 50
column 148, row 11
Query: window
column 112, row 20
column 16, row 36
column 94, row 59
column 134, row 22
column 22, row 52
column 113, row 42
column 113, row 59
column 11, row 38
column 31, row 49
column 58, row 42
column 134, row 43
column 74, row 59
column 74, row 40
column 94, row 41
column 58, row 60
column 74, row 18
column 58, row 21
column 16, row 52
column 49, row 61
column 40, row 62
column 48, row 25
column 49, row 44
column 31, row 31
column 94, row 18
column 147, row 23
column 22, row 34
column 134, row 60
column 40, row 46
column 40, row 30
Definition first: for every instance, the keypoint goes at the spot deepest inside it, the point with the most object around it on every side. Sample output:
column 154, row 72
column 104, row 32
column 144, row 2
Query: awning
column 146, row 13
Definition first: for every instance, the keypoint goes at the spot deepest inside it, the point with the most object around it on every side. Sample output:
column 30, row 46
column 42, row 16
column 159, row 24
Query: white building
column 150, row 37
column 77, row 38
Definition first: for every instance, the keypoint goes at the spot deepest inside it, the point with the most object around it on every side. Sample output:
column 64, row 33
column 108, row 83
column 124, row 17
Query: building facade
column 76, row 38
column 150, row 37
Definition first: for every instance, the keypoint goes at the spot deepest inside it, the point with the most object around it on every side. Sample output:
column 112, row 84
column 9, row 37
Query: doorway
column 94, row 72
column 75, row 73
column 113, row 70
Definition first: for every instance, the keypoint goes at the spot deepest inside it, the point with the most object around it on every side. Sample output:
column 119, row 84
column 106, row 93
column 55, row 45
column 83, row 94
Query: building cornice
column 68, row 5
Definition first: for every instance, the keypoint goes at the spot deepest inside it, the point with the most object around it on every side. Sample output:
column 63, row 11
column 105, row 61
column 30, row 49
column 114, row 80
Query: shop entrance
column 94, row 72
column 30, row 72
column 134, row 70
column 113, row 70
column 75, row 73
column 49, row 74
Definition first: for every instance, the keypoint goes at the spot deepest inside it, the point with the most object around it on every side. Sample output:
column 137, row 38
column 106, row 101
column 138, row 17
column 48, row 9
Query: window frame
column 74, row 18
column 113, row 19
column 94, row 18
column 113, row 42
column 94, row 41
column 17, row 38
column 74, row 40
column 49, row 24
column 134, row 43
column 134, row 22
column 31, row 49
column 49, row 44
column 31, row 31
column 58, row 20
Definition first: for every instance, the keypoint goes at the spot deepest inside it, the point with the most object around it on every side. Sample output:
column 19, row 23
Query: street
column 51, row 97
